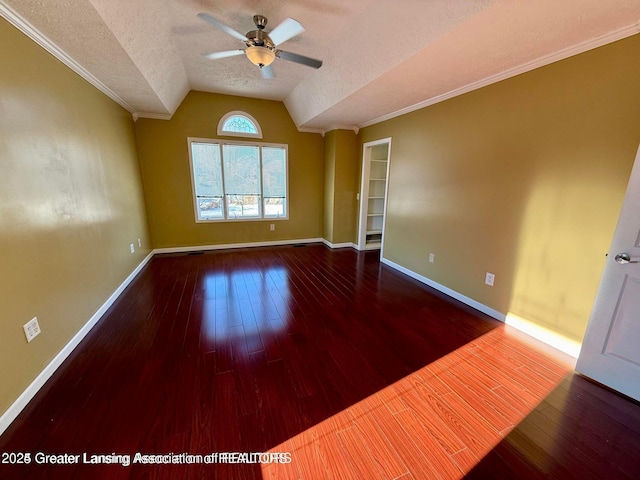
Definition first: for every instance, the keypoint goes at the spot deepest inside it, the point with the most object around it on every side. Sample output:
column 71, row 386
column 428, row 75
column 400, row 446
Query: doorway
column 374, row 189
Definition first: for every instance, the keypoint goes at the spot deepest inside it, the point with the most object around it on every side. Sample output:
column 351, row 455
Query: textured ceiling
column 380, row 56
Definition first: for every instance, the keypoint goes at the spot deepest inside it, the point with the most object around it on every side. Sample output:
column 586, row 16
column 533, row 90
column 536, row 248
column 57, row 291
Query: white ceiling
column 381, row 57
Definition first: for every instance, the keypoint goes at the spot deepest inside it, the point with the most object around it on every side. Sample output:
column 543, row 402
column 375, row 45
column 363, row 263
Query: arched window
column 239, row 124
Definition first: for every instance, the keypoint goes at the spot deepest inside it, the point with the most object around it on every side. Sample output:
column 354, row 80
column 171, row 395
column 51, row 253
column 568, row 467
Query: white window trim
column 218, row 141
column 227, row 133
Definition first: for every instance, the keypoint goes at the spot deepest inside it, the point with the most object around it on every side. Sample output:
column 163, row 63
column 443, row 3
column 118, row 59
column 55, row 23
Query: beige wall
column 340, row 186
column 330, row 146
column 70, row 204
column 524, row 179
column 167, row 180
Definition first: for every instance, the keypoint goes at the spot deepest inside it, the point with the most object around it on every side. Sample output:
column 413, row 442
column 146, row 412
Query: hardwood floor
column 323, row 358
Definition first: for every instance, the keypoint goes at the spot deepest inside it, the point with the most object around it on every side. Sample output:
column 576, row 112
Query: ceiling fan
column 262, row 48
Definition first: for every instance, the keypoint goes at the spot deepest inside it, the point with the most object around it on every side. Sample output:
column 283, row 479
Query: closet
column 373, row 193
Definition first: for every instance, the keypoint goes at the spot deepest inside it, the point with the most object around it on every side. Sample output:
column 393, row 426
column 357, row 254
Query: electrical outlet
column 272, row 227
column 357, row 196
column 31, row 329
column 432, row 257
column 132, row 248
column 489, row 278
column 139, row 243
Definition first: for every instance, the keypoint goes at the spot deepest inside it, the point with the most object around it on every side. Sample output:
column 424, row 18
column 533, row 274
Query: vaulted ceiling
column 380, row 57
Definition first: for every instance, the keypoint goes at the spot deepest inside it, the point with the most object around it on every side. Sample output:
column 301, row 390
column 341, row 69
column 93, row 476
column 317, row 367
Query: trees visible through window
column 234, row 181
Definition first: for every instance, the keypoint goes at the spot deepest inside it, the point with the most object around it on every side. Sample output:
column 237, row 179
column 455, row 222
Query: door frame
column 364, row 193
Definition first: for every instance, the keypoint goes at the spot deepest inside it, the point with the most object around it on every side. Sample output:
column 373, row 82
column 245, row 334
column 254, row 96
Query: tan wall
column 70, row 204
column 330, row 145
column 348, row 158
column 524, row 179
column 340, row 186
column 167, row 180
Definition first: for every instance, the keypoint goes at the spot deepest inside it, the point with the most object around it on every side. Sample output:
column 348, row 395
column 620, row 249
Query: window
column 238, row 180
column 239, row 124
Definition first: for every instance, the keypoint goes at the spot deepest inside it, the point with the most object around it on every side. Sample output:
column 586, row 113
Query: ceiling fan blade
column 267, row 72
column 294, row 57
column 225, row 54
column 225, row 28
column 288, row 29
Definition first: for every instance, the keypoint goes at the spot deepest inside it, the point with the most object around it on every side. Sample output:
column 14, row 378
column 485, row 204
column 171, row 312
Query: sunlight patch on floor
column 438, row 422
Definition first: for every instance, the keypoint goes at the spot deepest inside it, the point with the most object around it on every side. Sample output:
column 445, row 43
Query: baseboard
column 553, row 339
column 447, row 291
column 338, row 245
column 14, row 410
column 368, row 248
column 226, row 246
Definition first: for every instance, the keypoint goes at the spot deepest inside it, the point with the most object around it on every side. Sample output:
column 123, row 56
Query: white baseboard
column 553, row 339
column 14, row 410
column 225, row 246
column 368, row 248
column 447, row 291
column 338, row 245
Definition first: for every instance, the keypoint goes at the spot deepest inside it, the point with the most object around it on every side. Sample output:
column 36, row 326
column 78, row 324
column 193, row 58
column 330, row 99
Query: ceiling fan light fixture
column 260, row 56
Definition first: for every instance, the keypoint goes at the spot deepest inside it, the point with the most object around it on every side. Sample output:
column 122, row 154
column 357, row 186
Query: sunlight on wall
column 61, row 188
column 559, row 254
column 546, row 335
column 440, row 421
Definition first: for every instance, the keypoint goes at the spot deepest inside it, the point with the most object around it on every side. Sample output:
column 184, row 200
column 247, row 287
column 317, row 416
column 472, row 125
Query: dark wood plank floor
column 349, row 367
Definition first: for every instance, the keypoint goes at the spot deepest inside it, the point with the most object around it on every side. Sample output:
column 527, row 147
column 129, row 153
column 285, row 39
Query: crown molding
column 30, row 31
column 340, row 126
column 153, row 116
column 329, row 128
column 311, row 130
column 512, row 72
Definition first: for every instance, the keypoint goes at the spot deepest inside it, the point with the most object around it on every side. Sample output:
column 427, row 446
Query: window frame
column 221, row 142
column 238, row 113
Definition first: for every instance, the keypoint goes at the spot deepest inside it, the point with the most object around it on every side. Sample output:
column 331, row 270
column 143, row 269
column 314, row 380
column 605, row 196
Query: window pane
column 207, row 172
column 274, row 181
column 242, row 180
column 239, row 180
column 240, row 124
column 275, row 207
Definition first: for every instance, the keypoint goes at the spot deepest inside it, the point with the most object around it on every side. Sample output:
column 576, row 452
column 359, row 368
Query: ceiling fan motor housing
column 261, row 49
column 260, row 21
column 259, row 39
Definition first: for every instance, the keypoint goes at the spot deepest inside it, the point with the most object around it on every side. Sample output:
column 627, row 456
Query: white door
column 611, row 348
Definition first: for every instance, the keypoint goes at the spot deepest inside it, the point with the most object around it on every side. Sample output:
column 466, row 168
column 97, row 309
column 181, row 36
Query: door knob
column 623, row 258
